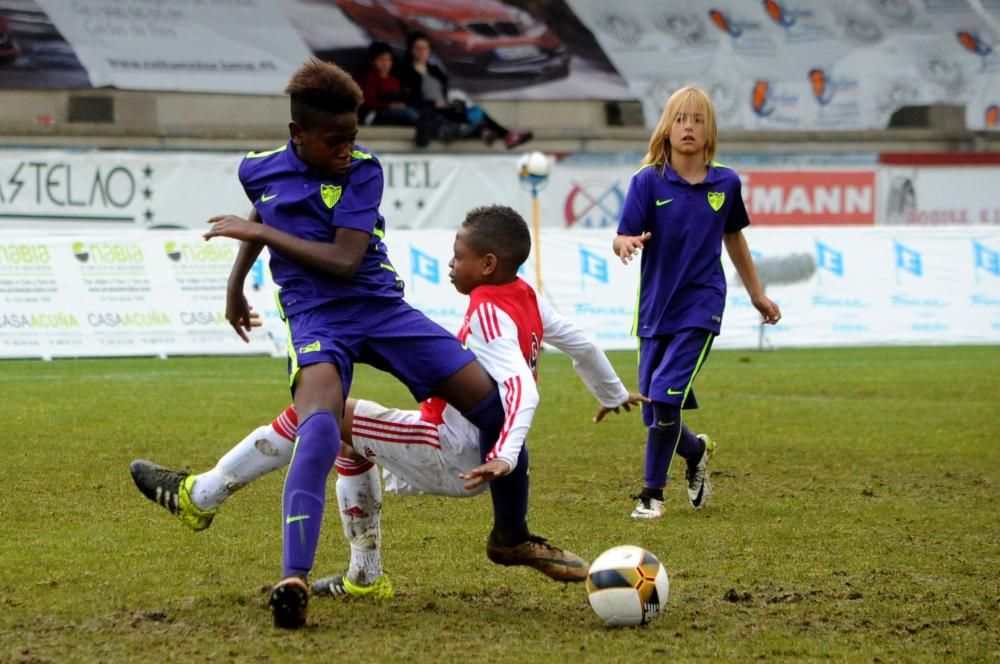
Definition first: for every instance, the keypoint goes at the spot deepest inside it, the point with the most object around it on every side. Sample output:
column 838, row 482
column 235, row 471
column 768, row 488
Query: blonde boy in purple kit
column 680, row 210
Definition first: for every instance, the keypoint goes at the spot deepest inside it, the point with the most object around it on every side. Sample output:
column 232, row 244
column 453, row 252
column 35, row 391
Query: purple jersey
column 682, row 284
column 294, row 198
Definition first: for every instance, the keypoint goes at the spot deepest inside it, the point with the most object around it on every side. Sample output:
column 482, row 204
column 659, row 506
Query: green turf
column 855, row 517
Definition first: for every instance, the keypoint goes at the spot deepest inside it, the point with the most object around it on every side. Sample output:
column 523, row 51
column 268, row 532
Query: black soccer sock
column 656, row 494
column 510, row 492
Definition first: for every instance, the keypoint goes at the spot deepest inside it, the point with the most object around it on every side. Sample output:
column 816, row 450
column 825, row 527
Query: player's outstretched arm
column 339, row 259
column 634, row 399
column 589, row 361
column 739, row 254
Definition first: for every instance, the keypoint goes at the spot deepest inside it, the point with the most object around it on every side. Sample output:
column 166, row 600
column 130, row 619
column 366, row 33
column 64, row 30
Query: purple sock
column 510, row 492
column 302, row 503
column 661, row 441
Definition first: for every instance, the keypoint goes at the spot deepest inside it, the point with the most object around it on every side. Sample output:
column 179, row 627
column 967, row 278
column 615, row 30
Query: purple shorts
column 668, row 365
column 386, row 333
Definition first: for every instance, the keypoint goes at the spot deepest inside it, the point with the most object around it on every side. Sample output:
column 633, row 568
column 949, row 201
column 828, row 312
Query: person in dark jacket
column 384, row 101
column 426, row 86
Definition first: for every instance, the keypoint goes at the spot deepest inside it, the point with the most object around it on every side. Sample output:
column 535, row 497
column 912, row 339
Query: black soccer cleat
column 171, row 489
column 289, row 603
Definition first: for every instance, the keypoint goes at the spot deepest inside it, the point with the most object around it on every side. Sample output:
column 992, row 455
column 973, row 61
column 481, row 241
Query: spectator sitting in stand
column 426, row 86
column 384, row 102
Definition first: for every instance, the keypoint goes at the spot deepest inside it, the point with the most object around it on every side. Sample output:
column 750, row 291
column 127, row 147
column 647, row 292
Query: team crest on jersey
column 716, row 199
column 330, row 194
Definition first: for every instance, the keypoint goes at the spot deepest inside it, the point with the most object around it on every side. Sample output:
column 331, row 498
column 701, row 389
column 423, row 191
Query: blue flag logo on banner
column 593, row 266
column 985, row 259
column 425, row 266
column 829, row 259
column 908, row 260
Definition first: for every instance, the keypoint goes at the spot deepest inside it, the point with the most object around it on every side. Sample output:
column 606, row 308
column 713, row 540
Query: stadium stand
column 138, row 119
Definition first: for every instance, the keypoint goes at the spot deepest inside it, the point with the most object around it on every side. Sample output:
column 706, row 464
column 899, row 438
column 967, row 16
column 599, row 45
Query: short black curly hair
column 498, row 230
column 377, row 48
column 321, row 87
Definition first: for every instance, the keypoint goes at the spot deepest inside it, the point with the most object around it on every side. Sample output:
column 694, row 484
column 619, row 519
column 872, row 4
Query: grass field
column 855, row 518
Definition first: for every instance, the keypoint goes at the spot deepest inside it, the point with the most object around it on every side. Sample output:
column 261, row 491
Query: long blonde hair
column 686, row 98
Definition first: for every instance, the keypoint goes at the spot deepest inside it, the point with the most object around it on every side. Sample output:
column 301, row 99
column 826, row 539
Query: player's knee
column 664, row 415
column 319, row 433
column 467, row 387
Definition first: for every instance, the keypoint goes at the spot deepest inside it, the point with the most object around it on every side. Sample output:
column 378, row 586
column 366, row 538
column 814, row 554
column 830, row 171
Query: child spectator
column 384, row 102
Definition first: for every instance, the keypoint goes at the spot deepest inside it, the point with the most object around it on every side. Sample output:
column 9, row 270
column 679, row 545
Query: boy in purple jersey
column 680, row 209
column 316, row 203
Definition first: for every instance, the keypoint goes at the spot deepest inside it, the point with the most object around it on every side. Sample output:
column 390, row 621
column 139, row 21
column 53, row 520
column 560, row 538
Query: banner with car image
column 777, row 64
column 490, row 48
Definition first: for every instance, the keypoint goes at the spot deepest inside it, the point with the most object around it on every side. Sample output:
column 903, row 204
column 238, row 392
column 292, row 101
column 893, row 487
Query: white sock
column 360, row 500
column 256, row 455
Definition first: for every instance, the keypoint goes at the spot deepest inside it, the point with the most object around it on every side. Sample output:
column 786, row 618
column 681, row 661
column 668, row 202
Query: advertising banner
column 779, row 64
column 163, row 293
column 119, row 191
column 133, row 293
column 939, row 195
column 805, row 64
column 122, row 190
column 245, row 46
column 490, row 48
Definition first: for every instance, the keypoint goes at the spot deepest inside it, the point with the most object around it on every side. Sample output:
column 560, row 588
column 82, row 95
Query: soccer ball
column 534, row 163
column 627, row 585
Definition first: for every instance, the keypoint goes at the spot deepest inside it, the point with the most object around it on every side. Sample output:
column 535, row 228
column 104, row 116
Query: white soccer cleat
column 648, row 508
column 699, row 486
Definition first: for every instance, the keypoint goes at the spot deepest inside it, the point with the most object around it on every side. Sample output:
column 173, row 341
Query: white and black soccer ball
column 627, row 585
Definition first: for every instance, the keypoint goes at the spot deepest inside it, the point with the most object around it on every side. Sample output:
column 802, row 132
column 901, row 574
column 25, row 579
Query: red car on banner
column 471, row 36
column 805, row 198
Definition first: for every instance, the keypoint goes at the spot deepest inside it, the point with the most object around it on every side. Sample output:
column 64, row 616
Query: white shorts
column 416, row 456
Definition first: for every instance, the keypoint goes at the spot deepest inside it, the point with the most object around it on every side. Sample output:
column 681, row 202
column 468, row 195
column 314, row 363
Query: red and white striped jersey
column 504, row 326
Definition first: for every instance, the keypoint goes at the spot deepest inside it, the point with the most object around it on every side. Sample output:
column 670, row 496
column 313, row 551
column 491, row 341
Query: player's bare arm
column 739, row 254
column 238, row 311
column 627, row 246
column 633, row 400
column 339, row 259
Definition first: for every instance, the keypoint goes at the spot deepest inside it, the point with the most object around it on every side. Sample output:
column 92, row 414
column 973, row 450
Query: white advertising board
column 163, row 293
